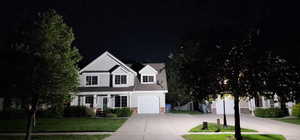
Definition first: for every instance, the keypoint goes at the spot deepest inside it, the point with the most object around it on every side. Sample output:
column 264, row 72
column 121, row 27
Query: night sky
column 148, row 30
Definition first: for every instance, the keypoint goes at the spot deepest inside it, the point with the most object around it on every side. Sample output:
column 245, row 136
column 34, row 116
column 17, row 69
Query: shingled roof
column 160, row 85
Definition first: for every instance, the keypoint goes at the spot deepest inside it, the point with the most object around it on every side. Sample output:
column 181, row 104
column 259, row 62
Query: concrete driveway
column 172, row 126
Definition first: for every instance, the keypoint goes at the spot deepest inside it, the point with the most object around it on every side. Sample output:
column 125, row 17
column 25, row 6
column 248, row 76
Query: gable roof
column 149, row 68
column 106, row 53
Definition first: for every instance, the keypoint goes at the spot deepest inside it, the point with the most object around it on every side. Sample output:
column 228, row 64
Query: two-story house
column 107, row 82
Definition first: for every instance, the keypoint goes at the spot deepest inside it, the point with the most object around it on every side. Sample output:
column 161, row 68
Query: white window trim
column 154, row 78
column 98, row 81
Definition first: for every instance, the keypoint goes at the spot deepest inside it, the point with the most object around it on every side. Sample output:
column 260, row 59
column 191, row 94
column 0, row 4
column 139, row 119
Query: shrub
column 13, row 114
column 296, row 110
column 49, row 113
column 269, row 112
column 111, row 115
column 123, row 112
column 120, row 112
column 79, row 111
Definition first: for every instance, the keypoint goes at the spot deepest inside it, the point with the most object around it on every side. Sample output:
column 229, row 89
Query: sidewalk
column 58, row 133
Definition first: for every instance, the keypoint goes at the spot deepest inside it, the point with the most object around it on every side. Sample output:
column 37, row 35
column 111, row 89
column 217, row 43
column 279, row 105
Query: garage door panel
column 148, row 105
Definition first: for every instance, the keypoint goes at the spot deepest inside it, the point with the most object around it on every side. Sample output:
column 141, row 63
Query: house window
column 120, row 101
column 89, row 100
column 148, row 79
column 124, row 101
column 91, row 80
column 120, row 79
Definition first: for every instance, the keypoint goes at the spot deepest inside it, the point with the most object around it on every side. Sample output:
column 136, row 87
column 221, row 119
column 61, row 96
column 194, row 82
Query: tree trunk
column 283, row 107
column 31, row 119
column 224, row 115
column 237, row 125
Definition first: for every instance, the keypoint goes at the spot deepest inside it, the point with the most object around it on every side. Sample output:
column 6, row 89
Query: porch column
column 95, row 101
column 109, row 101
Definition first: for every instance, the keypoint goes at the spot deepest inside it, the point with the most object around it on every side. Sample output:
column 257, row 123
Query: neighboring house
column 246, row 106
column 107, row 82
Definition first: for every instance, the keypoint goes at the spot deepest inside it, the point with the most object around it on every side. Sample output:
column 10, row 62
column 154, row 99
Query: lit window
column 91, row 80
column 148, row 79
column 120, row 79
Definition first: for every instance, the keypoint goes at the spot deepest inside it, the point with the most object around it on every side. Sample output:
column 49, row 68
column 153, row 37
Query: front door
column 104, row 103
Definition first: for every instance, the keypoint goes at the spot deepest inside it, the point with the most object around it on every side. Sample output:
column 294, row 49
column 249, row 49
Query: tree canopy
column 45, row 62
column 204, row 67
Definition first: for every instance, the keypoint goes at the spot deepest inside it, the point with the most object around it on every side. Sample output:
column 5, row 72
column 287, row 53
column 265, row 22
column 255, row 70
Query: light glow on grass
column 228, row 136
column 212, row 127
column 64, row 125
column 290, row 120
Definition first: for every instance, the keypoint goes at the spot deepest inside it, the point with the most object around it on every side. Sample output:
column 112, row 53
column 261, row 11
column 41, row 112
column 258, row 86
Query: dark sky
column 149, row 30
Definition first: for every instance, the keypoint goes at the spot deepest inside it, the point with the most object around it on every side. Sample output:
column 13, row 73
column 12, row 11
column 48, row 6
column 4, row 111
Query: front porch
column 102, row 101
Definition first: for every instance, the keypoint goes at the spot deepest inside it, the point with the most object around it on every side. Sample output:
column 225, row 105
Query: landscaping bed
column 230, row 137
column 58, row 137
column 212, row 127
column 64, row 125
column 185, row 112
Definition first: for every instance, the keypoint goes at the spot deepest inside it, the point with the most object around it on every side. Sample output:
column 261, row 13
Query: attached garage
column 148, row 105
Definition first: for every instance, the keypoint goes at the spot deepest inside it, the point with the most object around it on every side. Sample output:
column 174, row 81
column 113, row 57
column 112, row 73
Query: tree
column 282, row 79
column 242, row 72
column 190, row 69
column 177, row 90
column 49, row 62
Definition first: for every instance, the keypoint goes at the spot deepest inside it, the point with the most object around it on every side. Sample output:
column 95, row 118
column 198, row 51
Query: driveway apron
column 147, row 127
column 172, row 126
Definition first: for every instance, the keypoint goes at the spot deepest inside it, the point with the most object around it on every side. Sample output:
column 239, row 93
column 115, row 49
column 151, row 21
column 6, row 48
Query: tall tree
column 49, row 62
column 282, row 79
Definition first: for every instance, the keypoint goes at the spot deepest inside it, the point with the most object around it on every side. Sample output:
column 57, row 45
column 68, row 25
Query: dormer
column 120, row 77
column 148, row 75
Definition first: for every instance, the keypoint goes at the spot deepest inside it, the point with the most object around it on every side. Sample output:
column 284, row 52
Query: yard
column 290, row 120
column 64, row 125
column 212, row 127
column 56, row 137
column 227, row 137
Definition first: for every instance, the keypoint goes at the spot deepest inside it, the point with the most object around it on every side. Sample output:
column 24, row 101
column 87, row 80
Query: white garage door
column 148, row 105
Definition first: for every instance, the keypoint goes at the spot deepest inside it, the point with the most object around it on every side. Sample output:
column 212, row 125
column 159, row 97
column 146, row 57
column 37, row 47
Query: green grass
column 228, row 136
column 64, row 124
column 185, row 112
column 212, row 127
column 58, row 137
column 290, row 120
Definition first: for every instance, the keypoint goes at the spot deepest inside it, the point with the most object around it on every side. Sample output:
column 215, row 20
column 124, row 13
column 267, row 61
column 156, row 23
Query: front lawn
column 58, row 137
column 212, row 127
column 227, row 137
column 290, row 120
column 64, row 124
column 185, row 112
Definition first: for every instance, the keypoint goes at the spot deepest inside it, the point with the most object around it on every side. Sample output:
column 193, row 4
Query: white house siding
column 217, row 106
column 103, row 79
column 122, row 71
column 74, row 101
column 102, row 63
column 148, row 70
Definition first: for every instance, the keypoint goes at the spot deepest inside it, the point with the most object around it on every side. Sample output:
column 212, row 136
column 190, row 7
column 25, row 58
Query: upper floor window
column 91, row 80
column 148, row 79
column 120, row 79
